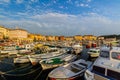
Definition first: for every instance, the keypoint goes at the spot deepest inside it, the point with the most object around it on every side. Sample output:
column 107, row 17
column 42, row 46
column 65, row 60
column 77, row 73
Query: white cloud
column 52, row 16
column 22, row 14
column 34, row 0
column 4, row 1
column 69, row 1
column 1, row 16
column 19, row 1
column 7, row 1
column 61, row 7
column 79, row 4
column 89, row 0
column 54, row 1
column 65, row 24
column 83, row 5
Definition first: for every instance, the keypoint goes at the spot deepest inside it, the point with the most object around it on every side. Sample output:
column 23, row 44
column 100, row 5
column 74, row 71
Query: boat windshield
column 98, row 69
column 93, row 51
column 83, row 64
column 104, row 54
column 116, row 55
column 75, row 68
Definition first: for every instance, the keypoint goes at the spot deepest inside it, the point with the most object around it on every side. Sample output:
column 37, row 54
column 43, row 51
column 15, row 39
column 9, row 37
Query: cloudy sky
column 62, row 17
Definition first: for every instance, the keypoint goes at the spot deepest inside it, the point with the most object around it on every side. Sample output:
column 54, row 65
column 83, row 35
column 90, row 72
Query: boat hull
column 94, row 55
column 57, row 61
column 71, row 71
column 77, row 77
column 50, row 66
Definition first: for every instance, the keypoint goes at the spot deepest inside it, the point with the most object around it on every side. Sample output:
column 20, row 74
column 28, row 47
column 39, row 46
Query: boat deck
column 97, row 77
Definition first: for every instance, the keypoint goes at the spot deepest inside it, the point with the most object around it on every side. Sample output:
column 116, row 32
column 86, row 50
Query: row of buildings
column 21, row 35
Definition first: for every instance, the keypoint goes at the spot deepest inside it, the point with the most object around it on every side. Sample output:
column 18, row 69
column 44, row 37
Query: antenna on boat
column 110, row 46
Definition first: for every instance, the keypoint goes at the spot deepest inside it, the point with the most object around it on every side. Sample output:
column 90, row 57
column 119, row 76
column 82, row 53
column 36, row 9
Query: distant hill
column 111, row 36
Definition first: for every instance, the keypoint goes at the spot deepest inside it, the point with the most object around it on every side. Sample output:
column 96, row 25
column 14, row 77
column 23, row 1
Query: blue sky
column 62, row 17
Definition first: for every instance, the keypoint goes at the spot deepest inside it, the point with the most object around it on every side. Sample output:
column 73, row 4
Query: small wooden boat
column 3, row 55
column 33, row 60
column 22, row 59
column 57, row 61
column 51, row 63
column 70, row 71
column 38, row 57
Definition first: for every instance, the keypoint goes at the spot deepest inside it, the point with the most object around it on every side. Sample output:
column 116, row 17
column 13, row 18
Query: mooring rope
column 3, row 77
column 38, row 75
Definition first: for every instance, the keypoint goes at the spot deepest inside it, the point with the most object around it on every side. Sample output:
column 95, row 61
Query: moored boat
column 3, row 55
column 106, row 66
column 77, row 49
column 71, row 71
column 22, row 59
column 51, row 63
column 94, row 52
column 57, row 61
column 33, row 60
column 38, row 57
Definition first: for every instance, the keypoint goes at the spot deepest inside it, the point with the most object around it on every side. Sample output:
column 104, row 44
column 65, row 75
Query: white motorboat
column 57, row 61
column 94, row 52
column 3, row 55
column 5, row 51
column 70, row 71
column 77, row 48
column 106, row 66
column 54, row 53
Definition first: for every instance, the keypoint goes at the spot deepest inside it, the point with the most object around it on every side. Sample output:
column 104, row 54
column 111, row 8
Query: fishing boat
column 33, row 60
column 38, row 57
column 71, row 71
column 24, row 52
column 52, row 54
column 57, row 61
column 3, row 55
column 94, row 52
column 9, row 51
column 77, row 49
column 106, row 66
column 22, row 59
column 27, row 72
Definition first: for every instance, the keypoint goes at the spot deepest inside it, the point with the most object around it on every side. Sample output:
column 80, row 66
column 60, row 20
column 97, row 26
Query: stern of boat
column 88, row 75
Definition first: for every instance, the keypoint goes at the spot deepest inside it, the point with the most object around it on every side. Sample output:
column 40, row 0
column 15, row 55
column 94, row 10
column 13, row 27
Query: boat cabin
column 107, row 66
